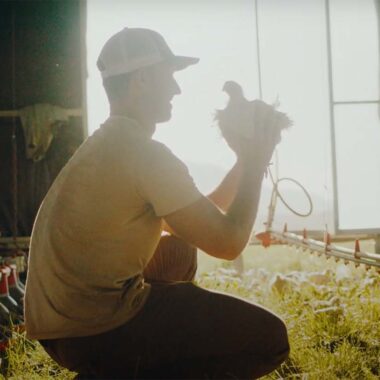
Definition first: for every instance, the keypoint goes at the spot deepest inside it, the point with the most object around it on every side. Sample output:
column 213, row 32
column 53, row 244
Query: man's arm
column 223, row 235
column 205, row 226
column 223, row 195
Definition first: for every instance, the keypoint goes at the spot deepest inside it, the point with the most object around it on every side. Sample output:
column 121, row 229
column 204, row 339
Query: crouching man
column 104, row 296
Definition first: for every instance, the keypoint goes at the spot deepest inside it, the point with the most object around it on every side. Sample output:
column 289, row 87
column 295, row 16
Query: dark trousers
column 182, row 332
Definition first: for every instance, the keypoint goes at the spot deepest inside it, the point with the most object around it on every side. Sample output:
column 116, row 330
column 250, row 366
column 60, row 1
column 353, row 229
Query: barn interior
column 44, row 119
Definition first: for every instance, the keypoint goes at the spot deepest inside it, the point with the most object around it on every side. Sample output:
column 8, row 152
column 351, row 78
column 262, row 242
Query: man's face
column 159, row 90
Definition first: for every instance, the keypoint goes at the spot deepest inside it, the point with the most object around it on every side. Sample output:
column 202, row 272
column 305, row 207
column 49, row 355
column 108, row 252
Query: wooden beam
column 74, row 112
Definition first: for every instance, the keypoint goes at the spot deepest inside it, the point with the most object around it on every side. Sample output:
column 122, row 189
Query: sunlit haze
column 294, row 69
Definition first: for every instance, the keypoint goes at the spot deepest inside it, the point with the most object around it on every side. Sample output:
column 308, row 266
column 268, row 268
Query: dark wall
column 40, row 62
column 47, row 59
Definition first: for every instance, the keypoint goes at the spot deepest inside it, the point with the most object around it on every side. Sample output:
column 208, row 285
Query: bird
column 244, row 116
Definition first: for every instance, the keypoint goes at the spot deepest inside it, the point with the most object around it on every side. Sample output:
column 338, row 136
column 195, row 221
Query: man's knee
column 272, row 341
column 280, row 348
column 281, row 357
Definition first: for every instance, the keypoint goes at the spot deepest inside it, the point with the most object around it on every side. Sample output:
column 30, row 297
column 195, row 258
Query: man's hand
column 251, row 128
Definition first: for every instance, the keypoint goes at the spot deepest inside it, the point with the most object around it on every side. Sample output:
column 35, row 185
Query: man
column 101, row 222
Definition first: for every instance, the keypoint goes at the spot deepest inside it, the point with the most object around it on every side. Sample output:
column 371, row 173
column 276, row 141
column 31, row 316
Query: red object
column 357, row 249
column 15, row 290
column 6, row 299
column 12, row 279
column 4, row 286
column 265, row 238
column 4, row 345
column 327, row 241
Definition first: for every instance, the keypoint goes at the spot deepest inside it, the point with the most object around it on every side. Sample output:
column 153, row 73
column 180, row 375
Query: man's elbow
column 236, row 242
column 229, row 241
column 228, row 250
column 233, row 253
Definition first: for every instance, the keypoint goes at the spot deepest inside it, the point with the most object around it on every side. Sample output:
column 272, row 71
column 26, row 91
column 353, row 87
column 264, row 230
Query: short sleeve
column 164, row 180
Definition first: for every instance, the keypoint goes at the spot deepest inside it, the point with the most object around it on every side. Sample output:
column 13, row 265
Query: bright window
column 288, row 59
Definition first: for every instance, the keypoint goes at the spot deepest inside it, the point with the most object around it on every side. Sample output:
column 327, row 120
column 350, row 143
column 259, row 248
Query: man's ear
column 141, row 77
column 136, row 84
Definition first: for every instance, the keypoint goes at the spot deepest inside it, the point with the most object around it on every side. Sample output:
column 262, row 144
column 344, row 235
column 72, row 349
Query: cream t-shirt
column 97, row 227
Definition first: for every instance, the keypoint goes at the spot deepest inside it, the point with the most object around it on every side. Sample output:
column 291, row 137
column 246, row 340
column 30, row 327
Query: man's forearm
column 225, row 196
column 225, row 193
column 243, row 210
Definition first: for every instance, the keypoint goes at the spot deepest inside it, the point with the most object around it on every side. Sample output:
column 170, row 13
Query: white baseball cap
column 134, row 48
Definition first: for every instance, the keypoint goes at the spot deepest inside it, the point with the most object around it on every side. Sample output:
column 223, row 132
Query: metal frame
column 355, row 255
column 332, row 117
column 332, row 105
column 258, row 50
column 71, row 112
column 83, row 33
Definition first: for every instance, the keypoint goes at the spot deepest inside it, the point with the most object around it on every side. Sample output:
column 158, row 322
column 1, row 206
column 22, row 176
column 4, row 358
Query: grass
column 332, row 312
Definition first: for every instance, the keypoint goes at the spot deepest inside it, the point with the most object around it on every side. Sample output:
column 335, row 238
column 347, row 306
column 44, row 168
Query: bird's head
column 233, row 89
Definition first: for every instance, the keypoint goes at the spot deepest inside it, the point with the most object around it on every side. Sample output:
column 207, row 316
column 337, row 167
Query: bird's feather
column 244, row 117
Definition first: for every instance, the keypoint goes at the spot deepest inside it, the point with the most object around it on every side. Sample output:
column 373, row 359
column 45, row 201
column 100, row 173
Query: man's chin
column 164, row 117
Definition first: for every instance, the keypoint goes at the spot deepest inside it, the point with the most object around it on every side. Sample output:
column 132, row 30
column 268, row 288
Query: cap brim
column 181, row 62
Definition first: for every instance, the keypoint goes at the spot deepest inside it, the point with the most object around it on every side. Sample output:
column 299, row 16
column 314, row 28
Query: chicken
column 243, row 116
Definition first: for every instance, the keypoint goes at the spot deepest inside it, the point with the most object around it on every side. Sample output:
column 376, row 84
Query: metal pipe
column 357, row 102
column 332, row 118
column 75, row 112
column 358, row 257
column 258, row 53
